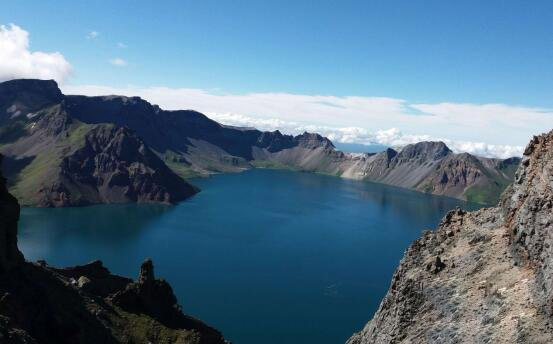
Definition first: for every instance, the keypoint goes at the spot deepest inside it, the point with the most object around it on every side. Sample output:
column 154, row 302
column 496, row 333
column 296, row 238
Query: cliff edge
column 481, row 277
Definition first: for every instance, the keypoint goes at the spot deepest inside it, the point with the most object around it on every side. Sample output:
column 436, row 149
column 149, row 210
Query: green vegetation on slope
column 487, row 194
column 178, row 165
column 139, row 327
column 44, row 168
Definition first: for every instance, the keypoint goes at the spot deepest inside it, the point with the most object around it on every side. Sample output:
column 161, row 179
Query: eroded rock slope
column 481, row 277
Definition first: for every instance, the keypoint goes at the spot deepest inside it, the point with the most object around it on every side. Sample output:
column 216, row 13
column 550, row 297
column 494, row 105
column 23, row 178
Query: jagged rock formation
column 481, row 277
column 41, row 129
column 84, row 304
column 113, row 166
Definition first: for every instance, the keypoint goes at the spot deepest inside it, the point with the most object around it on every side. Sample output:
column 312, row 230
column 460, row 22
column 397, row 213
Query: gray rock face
column 528, row 210
column 481, row 277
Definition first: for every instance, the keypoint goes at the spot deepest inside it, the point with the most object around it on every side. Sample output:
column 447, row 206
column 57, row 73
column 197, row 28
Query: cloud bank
column 491, row 130
column 17, row 61
column 392, row 137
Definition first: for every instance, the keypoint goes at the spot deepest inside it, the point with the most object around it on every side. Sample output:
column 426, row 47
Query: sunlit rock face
column 481, row 277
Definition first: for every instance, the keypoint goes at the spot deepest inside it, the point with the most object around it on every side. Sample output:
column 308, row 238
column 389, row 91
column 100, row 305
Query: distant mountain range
column 67, row 150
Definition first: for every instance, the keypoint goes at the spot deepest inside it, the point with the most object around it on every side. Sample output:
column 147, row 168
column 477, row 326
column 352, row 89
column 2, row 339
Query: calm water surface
column 265, row 256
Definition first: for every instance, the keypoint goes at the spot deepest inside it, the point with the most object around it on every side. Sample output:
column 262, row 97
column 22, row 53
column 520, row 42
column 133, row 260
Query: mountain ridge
column 35, row 118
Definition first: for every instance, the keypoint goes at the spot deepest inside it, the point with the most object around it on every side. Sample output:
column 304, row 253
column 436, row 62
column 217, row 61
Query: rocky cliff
column 113, row 166
column 84, row 304
column 41, row 130
column 481, row 277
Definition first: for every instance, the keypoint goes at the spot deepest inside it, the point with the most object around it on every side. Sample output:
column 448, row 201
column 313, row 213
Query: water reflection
column 44, row 231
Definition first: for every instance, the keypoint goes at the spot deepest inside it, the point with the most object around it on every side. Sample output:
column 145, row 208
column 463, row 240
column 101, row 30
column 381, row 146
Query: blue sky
column 423, row 52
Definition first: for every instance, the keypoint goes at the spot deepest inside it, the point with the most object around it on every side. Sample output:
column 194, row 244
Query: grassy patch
column 178, row 165
column 140, row 328
column 182, row 170
column 486, row 194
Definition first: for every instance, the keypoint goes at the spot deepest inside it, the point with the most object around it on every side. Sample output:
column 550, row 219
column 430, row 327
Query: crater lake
column 265, row 256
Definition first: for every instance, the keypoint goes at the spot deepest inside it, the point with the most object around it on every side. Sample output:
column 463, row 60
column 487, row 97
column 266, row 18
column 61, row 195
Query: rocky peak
column 427, row 149
column 274, row 141
column 146, row 275
column 150, row 295
column 313, row 140
column 390, row 153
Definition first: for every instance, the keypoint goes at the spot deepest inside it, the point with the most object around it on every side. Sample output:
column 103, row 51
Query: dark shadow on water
column 108, row 226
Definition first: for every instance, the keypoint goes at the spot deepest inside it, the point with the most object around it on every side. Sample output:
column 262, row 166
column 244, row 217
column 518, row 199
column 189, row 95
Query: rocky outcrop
column 38, row 122
column 528, row 210
column 114, row 166
column 84, row 304
column 481, row 277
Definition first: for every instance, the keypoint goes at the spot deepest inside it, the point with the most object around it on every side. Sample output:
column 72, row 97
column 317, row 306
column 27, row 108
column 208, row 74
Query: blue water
column 265, row 256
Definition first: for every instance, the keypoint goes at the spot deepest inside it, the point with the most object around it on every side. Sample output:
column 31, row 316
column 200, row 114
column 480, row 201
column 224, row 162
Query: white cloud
column 92, row 35
column 486, row 129
column 394, row 137
column 119, row 62
column 390, row 137
column 121, row 45
column 17, row 61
